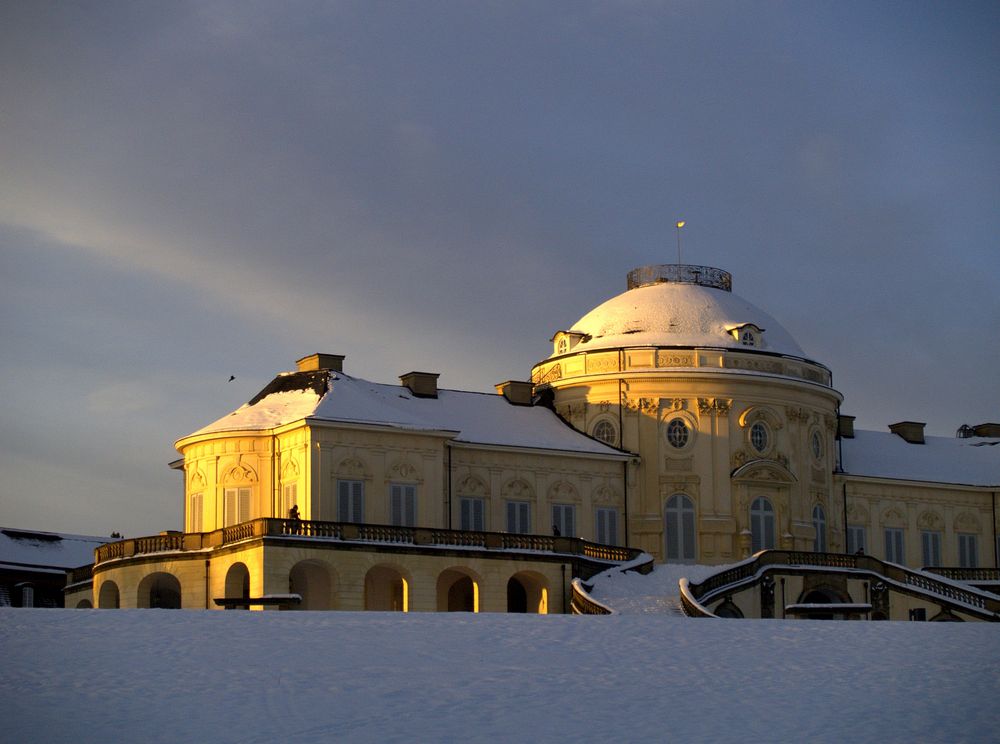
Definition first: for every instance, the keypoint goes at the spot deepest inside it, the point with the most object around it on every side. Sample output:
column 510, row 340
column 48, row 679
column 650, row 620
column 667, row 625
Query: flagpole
column 680, row 224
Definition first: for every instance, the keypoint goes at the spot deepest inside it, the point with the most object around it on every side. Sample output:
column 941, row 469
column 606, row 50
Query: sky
column 195, row 190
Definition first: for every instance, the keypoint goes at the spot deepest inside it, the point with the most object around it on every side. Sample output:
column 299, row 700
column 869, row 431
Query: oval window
column 677, row 433
column 760, row 437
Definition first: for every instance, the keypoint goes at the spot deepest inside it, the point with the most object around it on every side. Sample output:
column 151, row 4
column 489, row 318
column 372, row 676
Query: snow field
column 160, row 675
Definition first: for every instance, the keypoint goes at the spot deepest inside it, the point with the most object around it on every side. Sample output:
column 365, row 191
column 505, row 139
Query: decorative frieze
column 673, row 359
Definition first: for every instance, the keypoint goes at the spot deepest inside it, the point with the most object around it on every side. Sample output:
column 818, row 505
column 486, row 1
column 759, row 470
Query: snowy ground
column 166, row 676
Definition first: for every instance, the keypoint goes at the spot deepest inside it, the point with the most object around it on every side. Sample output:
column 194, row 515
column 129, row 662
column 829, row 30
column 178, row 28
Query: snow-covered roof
column 476, row 418
column 679, row 314
column 31, row 548
column 973, row 462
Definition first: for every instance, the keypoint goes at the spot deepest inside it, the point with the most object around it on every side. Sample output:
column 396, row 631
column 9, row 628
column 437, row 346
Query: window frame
column 467, row 517
column 857, row 538
column 606, row 525
column 602, row 423
column 819, row 524
column 765, row 521
column 895, row 545
column 236, row 499
column 759, row 430
column 680, row 529
column 518, row 517
column 930, row 547
column 669, row 433
column 564, row 518
column 402, row 504
column 196, row 505
column 350, row 501
column 968, row 550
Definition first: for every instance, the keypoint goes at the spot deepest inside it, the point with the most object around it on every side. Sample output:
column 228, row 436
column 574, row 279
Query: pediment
column 769, row 471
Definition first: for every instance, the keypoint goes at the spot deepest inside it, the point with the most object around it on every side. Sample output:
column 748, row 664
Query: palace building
column 675, row 420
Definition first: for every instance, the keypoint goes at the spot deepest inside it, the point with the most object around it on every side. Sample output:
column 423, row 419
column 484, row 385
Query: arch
column 387, row 589
column 159, row 590
column 762, row 525
column 728, row 609
column 763, row 470
column 239, row 473
column 528, row 591
column 458, row 590
column 84, row 604
column 238, row 582
column 472, row 485
column 679, row 529
column 517, row 489
column 109, row 598
column 563, row 491
column 819, row 524
column 314, row 581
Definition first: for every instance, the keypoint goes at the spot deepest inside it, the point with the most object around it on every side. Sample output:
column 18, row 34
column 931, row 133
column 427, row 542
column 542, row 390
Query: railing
column 695, row 597
column 386, row 534
column 581, row 603
column 969, row 575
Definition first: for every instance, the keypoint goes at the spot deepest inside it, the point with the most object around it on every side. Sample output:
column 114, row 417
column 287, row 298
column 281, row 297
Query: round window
column 605, row 431
column 678, row 433
column 760, row 437
column 817, row 445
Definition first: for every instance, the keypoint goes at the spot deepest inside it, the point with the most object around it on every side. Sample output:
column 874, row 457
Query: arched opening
column 527, row 592
column 728, row 609
column 108, row 598
column 761, row 525
column 457, row 591
column 313, row 581
column 386, row 590
column 679, row 529
column 159, row 590
column 238, row 583
column 84, row 604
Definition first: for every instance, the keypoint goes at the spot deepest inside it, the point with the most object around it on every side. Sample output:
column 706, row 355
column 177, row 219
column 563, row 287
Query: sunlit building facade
column 675, row 419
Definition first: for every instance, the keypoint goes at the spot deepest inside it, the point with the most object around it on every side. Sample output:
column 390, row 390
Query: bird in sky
column 231, row 378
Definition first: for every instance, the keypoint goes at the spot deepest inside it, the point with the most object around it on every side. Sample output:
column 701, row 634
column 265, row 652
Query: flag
column 680, row 223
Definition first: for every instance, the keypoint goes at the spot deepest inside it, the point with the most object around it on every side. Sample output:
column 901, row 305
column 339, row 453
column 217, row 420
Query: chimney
column 910, row 431
column 516, row 392
column 845, row 426
column 314, row 362
column 421, row 384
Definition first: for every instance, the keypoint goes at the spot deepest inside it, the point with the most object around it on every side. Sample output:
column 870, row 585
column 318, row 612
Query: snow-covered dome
column 681, row 306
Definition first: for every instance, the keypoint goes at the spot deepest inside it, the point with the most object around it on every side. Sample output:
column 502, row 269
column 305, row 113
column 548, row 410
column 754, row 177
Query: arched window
column 819, row 524
column 605, row 431
column 679, row 516
column 762, row 524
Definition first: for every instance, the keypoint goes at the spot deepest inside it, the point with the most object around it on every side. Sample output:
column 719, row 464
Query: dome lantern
column 703, row 276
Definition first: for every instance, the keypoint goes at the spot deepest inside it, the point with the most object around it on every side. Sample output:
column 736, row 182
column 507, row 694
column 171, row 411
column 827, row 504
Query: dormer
column 565, row 341
column 747, row 334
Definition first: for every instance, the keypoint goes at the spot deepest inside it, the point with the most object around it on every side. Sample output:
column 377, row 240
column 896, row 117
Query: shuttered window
column 237, row 506
column 968, row 551
column 519, row 517
column 472, row 511
column 894, row 545
column 403, row 504
column 930, row 543
column 856, row 539
column 194, row 518
column 761, row 525
column 607, row 526
column 350, row 501
column 564, row 520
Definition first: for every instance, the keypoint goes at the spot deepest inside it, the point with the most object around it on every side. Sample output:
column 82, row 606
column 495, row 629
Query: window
column 519, row 517
column 930, row 543
column 27, row 595
column 402, row 504
column 968, row 551
column 894, row 545
column 472, row 514
column 562, row 346
column 747, row 337
column 679, row 516
column 605, row 431
column 350, row 501
column 607, row 526
column 760, row 436
column 855, row 539
column 236, row 506
column 817, row 446
column 819, row 524
column 564, row 520
column 194, row 518
column 761, row 525
column 289, row 498
column 677, row 433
